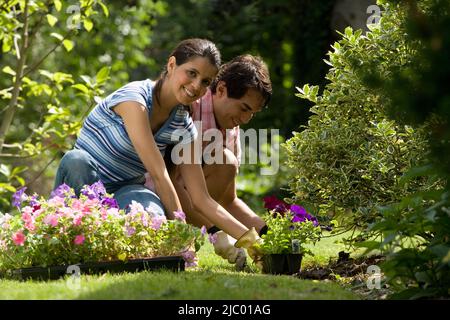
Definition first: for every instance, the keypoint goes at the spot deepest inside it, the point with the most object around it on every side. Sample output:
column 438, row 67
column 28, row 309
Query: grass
column 213, row 279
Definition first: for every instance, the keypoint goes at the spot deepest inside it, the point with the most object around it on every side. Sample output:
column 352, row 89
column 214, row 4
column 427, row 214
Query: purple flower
column 19, row 196
column 34, row 202
column 179, row 215
column 212, row 238
column 94, row 191
column 61, row 191
column 190, row 258
column 110, row 202
column 300, row 215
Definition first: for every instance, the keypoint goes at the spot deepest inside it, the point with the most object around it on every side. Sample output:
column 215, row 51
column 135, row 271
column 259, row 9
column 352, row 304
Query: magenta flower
column 203, row 230
column 273, row 203
column 18, row 238
column 79, row 239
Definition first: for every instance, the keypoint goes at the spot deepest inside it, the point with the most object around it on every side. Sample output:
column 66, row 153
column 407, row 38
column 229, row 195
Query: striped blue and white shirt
column 104, row 137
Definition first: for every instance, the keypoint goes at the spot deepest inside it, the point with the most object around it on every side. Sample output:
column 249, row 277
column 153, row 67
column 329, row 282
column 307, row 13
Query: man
column 241, row 89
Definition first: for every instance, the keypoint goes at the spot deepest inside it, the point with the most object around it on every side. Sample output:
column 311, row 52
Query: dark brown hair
column 187, row 50
column 243, row 73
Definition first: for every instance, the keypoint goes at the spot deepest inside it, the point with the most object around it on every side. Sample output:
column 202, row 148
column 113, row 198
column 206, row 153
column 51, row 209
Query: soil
column 350, row 272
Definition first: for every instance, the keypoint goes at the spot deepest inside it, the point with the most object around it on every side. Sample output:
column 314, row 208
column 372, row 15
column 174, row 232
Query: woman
column 126, row 135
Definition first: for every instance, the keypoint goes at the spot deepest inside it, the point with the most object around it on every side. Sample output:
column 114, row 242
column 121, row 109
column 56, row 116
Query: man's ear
column 171, row 64
column 221, row 89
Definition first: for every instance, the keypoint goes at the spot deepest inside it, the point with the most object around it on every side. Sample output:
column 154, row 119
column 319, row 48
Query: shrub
column 350, row 156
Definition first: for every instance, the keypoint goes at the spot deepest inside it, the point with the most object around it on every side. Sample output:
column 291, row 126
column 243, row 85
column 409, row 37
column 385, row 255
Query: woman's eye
column 206, row 83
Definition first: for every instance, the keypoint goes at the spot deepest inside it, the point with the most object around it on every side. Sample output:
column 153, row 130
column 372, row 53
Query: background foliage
column 373, row 150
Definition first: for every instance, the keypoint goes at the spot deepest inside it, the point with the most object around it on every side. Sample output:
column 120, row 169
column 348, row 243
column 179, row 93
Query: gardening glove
column 224, row 247
column 251, row 241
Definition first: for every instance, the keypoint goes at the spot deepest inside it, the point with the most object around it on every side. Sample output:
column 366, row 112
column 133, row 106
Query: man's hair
column 242, row 73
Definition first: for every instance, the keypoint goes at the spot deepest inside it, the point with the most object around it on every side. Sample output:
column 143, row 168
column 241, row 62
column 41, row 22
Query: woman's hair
column 185, row 51
column 243, row 73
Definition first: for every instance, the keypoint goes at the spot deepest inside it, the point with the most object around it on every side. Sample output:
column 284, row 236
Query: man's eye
column 191, row 74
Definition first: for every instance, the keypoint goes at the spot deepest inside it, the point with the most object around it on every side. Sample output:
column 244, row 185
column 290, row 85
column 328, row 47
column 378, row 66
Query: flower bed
column 67, row 230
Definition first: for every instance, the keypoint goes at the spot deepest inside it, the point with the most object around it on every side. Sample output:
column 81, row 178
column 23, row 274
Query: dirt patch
column 350, row 272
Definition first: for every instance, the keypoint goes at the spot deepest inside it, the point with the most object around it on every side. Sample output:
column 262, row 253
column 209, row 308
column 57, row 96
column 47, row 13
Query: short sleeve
column 138, row 91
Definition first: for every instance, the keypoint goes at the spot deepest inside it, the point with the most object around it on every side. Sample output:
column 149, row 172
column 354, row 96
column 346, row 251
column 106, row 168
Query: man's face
column 230, row 112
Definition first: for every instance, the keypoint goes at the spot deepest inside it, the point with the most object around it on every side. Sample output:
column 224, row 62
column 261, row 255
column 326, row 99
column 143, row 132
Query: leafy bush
column 350, row 156
column 416, row 229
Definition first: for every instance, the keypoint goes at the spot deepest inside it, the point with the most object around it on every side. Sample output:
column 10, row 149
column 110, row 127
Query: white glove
column 224, row 247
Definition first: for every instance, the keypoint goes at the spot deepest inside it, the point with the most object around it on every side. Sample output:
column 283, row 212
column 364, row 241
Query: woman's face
column 190, row 80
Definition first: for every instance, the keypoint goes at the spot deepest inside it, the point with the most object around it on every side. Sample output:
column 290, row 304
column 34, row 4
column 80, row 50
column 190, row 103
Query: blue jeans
column 78, row 168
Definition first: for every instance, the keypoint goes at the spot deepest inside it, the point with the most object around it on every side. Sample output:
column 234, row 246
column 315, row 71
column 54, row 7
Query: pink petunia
column 30, row 226
column 157, row 222
column 113, row 212
column 77, row 219
column 18, row 238
column 130, row 231
column 51, row 219
column 26, row 217
column 77, row 205
column 56, row 202
column 28, row 210
column 79, row 239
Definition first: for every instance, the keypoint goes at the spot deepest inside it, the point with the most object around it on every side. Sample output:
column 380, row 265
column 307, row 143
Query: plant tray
column 172, row 263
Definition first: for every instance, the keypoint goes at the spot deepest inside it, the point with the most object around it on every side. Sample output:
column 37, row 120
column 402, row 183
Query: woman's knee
column 77, row 160
column 76, row 169
column 139, row 193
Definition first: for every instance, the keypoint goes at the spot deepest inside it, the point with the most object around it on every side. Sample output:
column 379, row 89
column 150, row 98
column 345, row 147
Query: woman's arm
column 196, row 187
column 137, row 124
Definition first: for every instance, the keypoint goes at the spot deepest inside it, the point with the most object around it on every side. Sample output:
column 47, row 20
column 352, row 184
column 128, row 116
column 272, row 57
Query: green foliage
column 251, row 184
column 416, row 228
column 285, row 236
column 45, row 106
column 350, row 157
column 258, row 27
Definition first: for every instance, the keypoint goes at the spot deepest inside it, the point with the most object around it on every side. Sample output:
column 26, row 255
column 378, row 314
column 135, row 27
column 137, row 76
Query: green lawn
column 214, row 278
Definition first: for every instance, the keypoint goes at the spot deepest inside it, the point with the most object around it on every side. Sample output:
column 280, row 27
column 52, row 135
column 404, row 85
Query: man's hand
column 251, row 241
column 224, row 247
